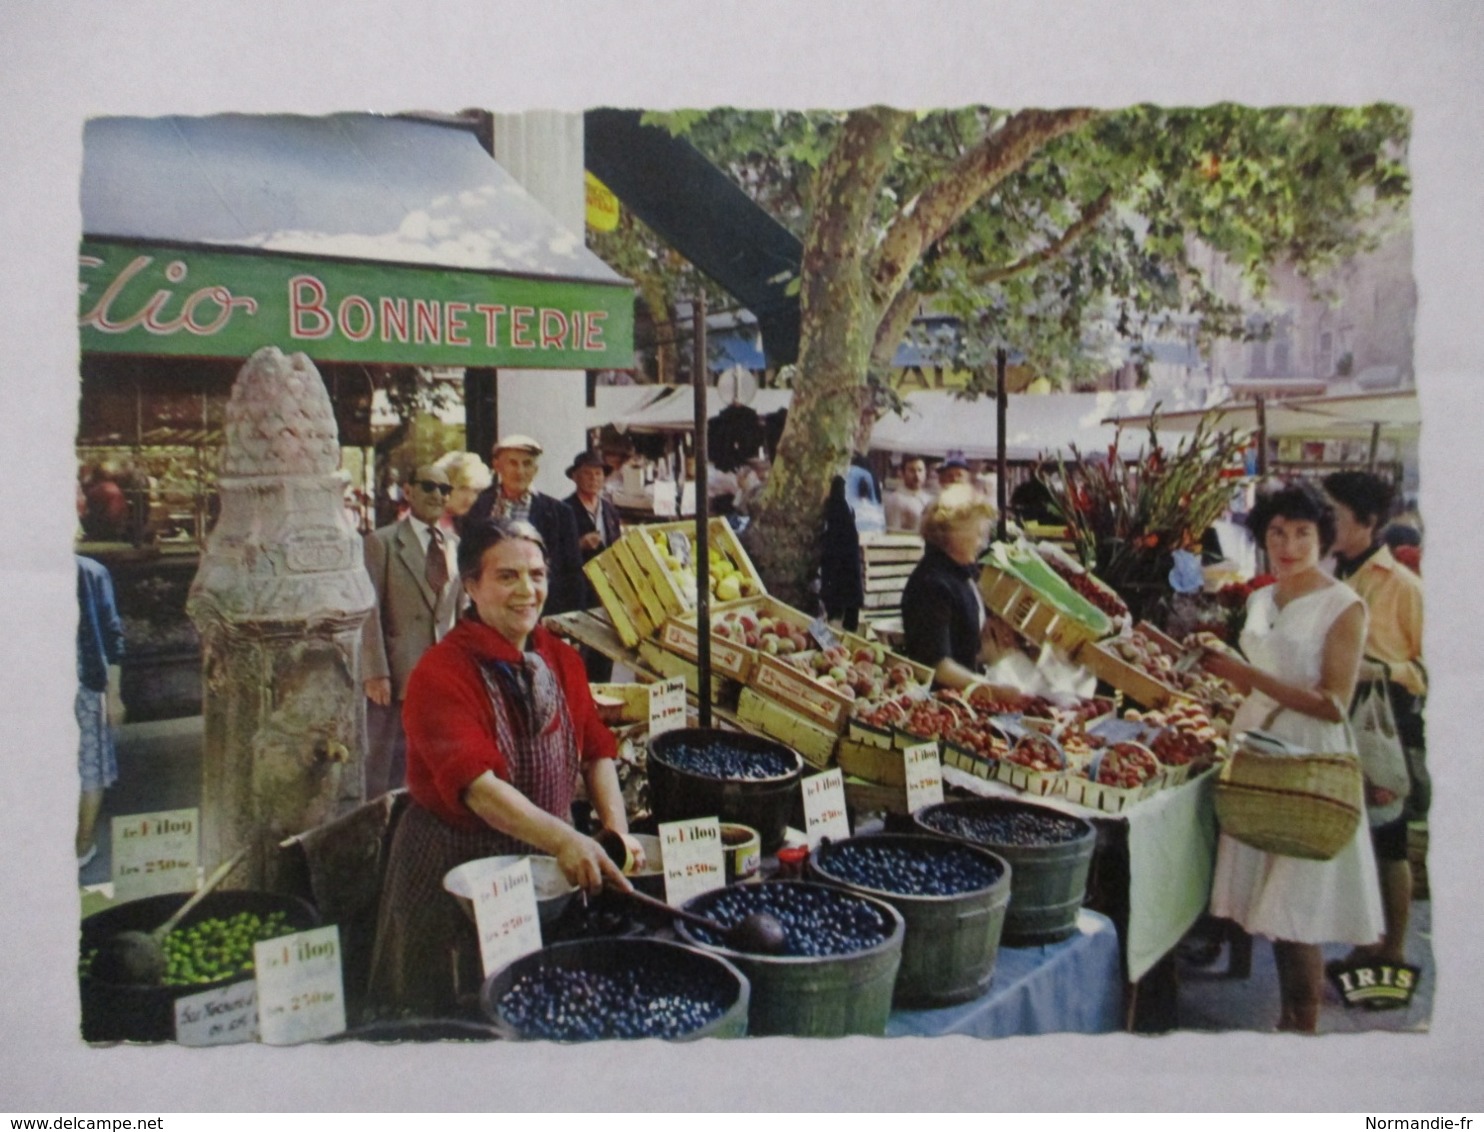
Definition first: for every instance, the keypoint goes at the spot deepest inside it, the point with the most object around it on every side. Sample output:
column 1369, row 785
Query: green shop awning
column 351, row 237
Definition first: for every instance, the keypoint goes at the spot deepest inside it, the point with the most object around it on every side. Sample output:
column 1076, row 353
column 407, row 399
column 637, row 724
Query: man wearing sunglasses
column 412, row 564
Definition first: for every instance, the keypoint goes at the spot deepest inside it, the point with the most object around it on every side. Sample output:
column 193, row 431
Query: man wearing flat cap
column 597, row 527
column 515, row 462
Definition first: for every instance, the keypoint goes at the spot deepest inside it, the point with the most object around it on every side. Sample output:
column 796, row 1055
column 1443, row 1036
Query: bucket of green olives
column 211, row 948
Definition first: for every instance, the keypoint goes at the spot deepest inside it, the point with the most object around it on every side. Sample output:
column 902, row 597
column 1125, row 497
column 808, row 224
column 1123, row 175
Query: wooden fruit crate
column 639, row 589
column 656, row 587
column 1170, row 776
column 868, row 734
column 649, row 544
column 1053, row 553
column 970, row 762
column 737, row 659
column 627, row 613
column 815, row 743
column 667, row 665
column 1096, row 796
column 800, row 692
column 1167, row 643
column 1034, row 618
column 1040, row 783
column 879, row 550
column 872, row 763
column 728, row 658
column 1134, row 683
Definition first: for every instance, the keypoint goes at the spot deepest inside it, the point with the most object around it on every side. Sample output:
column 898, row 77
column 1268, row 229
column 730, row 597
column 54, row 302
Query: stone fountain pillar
column 279, row 599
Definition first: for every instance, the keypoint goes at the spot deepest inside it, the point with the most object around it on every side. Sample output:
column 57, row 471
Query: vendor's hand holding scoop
column 759, row 933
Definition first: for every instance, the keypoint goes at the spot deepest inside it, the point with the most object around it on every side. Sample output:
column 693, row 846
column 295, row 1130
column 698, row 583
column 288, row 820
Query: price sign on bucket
column 824, row 808
column 924, row 776
column 505, row 913
column 666, row 705
column 221, row 1017
column 693, row 857
column 155, row 853
column 301, row 997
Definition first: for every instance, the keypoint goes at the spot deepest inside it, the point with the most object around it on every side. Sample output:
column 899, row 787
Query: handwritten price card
column 692, row 853
column 666, row 705
column 924, row 776
column 220, row 1017
column 824, row 808
column 155, row 853
column 505, row 913
column 301, row 996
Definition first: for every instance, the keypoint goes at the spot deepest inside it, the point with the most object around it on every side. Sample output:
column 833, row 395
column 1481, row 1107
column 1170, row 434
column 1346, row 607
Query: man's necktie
column 437, row 570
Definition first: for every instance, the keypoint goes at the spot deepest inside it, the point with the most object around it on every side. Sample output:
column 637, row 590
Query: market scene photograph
column 583, row 576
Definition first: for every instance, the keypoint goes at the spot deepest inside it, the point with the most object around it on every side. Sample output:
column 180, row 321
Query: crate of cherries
column 1034, row 764
column 1186, row 742
column 1119, row 775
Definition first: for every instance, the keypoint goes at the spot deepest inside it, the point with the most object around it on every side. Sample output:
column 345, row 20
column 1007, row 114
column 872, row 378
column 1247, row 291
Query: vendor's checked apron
column 422, row 934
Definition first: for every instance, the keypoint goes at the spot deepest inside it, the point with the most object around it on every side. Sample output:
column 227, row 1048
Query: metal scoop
column 138, row 958
column 759, row 933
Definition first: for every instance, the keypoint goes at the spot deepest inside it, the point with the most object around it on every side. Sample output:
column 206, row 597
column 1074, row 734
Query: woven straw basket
column 1295, row 805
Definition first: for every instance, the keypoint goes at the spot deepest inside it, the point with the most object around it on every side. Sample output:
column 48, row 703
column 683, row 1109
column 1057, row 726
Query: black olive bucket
column 1048, row 880
column 113, row 1012
column 951, row 942
column 762, row 803
column 807, row 997
column 711, row 975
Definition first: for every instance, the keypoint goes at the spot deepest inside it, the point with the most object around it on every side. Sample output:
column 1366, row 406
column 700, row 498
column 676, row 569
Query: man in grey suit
column 412, row 564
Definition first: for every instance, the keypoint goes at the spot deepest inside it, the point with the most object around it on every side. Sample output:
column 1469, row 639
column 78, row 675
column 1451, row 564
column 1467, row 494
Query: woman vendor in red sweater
column 500, row 723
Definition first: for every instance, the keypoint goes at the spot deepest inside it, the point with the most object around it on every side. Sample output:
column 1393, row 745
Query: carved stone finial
column 279, row 419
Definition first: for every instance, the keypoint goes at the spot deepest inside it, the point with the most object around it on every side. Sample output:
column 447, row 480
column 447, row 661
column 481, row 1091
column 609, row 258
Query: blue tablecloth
column 1075, row 986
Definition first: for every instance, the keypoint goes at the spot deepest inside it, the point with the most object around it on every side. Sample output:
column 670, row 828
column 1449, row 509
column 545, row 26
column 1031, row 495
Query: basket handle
column 1278, row 709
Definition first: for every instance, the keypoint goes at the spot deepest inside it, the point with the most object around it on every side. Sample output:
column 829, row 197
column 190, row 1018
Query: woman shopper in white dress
column 1304, row 637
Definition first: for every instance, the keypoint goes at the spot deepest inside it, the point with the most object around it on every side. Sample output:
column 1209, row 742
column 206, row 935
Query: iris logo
column 1376, row 986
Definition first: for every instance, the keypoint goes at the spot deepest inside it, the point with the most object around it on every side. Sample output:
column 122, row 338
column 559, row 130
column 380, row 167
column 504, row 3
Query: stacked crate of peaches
column 787, row 674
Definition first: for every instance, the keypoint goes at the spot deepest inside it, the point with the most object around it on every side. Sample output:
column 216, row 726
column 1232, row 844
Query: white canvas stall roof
column 346, row 186
column 672, row 408
column 1320, row 418
column 610, row 402
column 936, row 423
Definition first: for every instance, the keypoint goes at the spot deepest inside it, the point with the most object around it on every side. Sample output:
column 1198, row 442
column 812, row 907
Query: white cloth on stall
column 1290, row 898
column 1047, row 675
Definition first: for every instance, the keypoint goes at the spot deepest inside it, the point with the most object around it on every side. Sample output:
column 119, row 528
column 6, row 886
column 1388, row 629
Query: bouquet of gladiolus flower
column 1127, row 517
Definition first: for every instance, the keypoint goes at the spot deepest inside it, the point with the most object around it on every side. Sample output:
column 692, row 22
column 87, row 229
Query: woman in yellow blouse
column 1393, row 652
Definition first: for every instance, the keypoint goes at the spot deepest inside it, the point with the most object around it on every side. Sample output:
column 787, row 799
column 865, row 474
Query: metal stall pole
column 703, row 517
column 1001, row 407
column 1262, row 436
